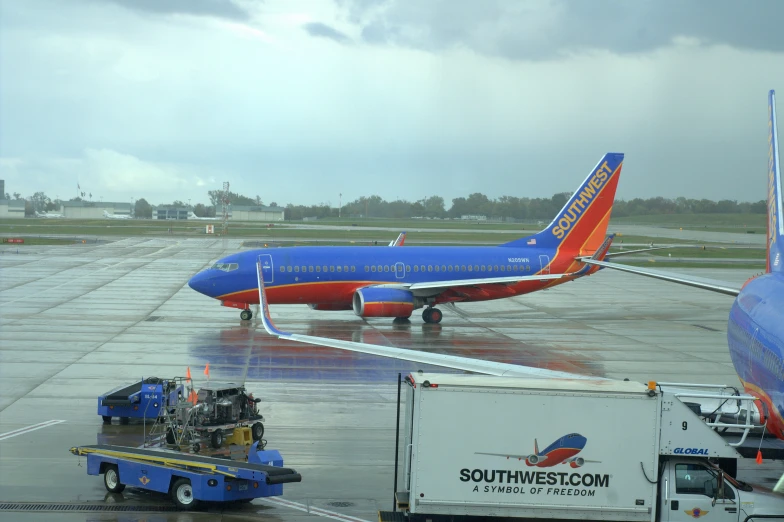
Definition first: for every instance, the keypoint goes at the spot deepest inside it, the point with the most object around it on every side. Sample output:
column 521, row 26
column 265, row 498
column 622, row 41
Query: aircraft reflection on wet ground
column 246, row 353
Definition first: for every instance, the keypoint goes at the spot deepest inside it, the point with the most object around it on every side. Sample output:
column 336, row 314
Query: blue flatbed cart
column 143, row 399
column 189, row 479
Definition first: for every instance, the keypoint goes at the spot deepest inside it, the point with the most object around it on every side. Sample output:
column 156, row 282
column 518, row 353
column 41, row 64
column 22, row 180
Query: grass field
column 41, row 241
column 419, row 231
column 730, row 222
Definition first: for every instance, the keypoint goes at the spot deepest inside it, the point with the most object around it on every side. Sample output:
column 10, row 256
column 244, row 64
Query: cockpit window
column 225, row 267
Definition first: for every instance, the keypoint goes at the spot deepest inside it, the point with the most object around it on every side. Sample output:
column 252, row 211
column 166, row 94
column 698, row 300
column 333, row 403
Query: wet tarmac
column 79, row 320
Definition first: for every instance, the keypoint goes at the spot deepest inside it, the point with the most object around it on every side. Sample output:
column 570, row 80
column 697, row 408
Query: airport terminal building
column 12, row 208
column 256, row 213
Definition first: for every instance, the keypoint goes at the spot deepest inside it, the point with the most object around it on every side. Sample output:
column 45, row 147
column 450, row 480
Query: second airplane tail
column 581, row 225
column 775, row 242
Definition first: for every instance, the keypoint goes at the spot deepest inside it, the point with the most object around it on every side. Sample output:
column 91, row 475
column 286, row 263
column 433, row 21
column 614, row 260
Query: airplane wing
column 447, row 361
column 518, row 457
column 696, row 282
column 627, row 252
column 483, row 281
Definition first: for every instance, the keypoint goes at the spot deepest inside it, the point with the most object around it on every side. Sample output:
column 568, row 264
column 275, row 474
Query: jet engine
column 532, row 460
column 578, row 462
column 383, row 302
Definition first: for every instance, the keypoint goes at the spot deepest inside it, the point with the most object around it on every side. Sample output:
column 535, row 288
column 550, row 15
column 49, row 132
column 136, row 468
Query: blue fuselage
column 755, row 334
column 330, row 274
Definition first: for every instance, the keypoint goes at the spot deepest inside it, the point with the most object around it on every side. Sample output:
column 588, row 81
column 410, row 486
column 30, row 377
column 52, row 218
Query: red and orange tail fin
column 581, row 225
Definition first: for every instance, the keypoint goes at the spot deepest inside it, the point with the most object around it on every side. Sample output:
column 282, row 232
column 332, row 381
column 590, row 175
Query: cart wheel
column 196, row 447
column 111, row 479
column 107, row 419
column 257, row 431
column 123, row 420
column 170, row 436
column 216, row 439
column 182, row 495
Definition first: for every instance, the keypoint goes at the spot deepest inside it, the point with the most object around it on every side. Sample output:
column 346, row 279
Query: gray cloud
column 535, row 30
column 218, row 8
column 320, row 30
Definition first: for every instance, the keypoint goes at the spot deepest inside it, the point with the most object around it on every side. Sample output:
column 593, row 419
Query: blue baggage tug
column 189, row 479
column 143, row 399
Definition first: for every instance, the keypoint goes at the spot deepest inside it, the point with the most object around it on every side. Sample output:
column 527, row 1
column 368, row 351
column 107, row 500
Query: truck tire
column 257, row 430
column 182, row 495
column 111, row 479
column 216, row 439
column 107, row 419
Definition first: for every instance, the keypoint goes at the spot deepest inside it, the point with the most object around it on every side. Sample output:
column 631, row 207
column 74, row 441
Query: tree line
column 514, row 208
column 476, row 204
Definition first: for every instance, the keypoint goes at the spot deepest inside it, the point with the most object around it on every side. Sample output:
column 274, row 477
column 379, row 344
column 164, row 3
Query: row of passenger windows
column 409, row 268
column 325, row 268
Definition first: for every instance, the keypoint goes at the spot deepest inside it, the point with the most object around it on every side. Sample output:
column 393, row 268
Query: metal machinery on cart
column 218, row 414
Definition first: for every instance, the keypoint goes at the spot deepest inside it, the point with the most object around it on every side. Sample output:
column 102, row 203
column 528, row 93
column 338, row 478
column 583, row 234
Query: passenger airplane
column 399, row 241
column 115, row 216
column 393, row 282
column 755, row 331
column 191, row 215
column 562, row 451
column 47, row 215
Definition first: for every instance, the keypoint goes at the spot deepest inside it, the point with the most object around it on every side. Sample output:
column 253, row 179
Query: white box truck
column 483, row 446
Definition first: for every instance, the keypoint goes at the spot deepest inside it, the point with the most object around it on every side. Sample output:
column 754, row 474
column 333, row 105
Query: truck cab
column 693, row 488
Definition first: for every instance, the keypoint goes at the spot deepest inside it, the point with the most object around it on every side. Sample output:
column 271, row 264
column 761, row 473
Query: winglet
column 266, row 320
column 775, row 261
column 536, row 447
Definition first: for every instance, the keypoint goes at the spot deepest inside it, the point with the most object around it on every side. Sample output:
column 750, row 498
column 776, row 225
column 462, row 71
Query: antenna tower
column 225, row 208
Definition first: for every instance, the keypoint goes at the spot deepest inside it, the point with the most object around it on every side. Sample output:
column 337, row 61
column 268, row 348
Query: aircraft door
column 690, row 490
column 400, row 270
column 267, row 269
column 544, row 261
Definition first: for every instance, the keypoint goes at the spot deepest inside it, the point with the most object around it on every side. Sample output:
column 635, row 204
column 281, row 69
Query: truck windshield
column 696, row 479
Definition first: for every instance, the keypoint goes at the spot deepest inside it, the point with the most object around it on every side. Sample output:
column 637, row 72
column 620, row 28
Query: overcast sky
column 298, row 101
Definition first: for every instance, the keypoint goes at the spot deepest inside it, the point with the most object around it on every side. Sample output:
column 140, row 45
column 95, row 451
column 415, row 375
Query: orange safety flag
column 188, row 373
column 207, row 370
column 759, row 457
column 193, row 398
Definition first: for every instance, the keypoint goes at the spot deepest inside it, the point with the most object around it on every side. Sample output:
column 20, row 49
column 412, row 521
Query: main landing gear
column 246, row 315
column 432, row 315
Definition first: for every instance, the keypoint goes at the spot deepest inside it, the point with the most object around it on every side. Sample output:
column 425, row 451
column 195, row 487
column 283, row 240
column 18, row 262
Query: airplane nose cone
column 201, row 283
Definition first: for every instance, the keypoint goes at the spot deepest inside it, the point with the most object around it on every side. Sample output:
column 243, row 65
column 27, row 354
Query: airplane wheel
column 426, row 314
column 435, row 316
column 246, row 315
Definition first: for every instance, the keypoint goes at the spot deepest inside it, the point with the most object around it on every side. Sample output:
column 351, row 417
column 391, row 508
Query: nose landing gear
column 432, row 315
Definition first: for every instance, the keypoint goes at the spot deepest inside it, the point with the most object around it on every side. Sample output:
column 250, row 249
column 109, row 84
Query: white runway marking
column 312, row 510
column 28, row 429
